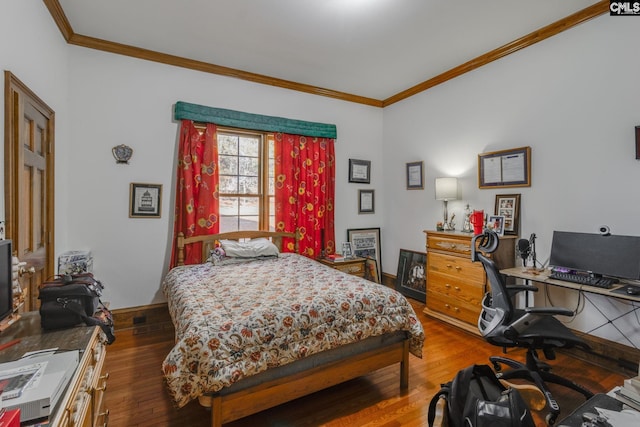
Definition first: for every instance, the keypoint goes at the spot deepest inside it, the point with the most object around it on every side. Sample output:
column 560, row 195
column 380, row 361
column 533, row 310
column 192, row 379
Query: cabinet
column 350, row 266
column 82, row 403
column 455, row 284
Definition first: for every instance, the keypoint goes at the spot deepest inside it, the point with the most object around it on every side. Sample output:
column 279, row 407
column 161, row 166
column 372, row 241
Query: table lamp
column 446, row 189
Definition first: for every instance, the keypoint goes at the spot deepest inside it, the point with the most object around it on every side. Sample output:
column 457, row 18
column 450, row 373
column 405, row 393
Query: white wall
column 32, row 48
column 574, row 100
column 119, row 100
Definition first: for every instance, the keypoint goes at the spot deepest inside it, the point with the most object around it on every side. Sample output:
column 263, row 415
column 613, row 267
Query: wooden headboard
column 208, row 241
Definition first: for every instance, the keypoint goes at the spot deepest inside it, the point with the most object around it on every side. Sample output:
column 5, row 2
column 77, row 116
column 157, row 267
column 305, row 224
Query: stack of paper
column 629, row 393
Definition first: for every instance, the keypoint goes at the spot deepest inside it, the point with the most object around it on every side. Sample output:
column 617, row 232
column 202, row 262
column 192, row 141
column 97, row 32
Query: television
column 599, row 254
column 6, row 279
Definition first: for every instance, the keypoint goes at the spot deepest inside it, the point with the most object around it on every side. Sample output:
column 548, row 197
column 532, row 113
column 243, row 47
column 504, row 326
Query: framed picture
column 508, row 206
column 371, row 270
column 496, row 223
column 411, row 279
column 637, row 142
column 366, row 201
column 145, row 200
column 366, row 244
column 360, row 171
column 347, row 251
column 414, row 176
column 506, row 168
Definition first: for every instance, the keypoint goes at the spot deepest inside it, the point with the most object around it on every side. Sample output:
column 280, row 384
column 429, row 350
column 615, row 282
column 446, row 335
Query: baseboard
column 608, row 354
column 142, row 325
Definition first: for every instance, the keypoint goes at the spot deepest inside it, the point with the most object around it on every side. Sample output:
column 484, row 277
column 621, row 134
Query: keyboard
column 584, row 279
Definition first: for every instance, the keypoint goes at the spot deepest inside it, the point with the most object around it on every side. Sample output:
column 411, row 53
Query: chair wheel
column 551, row 419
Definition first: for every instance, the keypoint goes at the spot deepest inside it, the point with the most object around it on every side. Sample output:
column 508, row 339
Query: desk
column 617, row 291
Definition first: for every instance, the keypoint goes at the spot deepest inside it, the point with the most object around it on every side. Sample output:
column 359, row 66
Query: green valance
column 238, row 119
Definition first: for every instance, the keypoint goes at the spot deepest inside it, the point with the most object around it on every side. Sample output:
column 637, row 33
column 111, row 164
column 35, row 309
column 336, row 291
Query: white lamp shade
column 446, row 188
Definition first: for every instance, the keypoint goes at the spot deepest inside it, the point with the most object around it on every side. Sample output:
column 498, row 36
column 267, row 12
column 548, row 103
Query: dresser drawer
column 469, row 292
column 461, row 268
column 453, row 307
column 449, row 244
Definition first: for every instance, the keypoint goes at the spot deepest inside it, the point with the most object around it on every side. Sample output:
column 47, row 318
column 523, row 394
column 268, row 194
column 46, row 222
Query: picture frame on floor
column 411, row 279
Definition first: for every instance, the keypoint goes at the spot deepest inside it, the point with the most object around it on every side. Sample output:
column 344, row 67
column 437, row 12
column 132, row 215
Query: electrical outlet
column 138, row 320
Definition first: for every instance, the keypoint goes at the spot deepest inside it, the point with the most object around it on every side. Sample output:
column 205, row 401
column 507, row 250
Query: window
column 247, row 190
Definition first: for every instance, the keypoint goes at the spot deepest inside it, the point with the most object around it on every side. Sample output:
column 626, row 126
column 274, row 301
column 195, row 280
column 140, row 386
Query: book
column 630, row 392
column 335, row 257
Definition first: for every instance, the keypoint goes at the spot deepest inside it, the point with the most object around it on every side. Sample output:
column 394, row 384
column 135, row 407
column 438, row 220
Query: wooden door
column 29, row 202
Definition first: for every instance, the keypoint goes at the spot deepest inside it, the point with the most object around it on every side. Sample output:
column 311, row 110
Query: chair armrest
column 549, row 311
column 521, row 288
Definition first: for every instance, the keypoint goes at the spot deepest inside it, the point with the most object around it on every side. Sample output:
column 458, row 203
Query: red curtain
column 197, row 202
column 305, row 191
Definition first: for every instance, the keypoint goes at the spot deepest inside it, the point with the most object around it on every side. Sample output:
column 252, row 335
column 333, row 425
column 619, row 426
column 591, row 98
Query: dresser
column 353, row 266
column 455, row 285
column 81, row 404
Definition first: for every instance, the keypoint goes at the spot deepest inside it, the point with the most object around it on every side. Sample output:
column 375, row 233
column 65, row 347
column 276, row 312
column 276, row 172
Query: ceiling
column 366, row 50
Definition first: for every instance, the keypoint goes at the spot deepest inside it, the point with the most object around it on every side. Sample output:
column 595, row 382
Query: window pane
column 249, row 222
column 249, row 146
column 229, row 206
column 248, row 185
column 249, row 166
column 228, row 165
column 228, row 224
column 249, row 206
column 227, row 144
column 228, row 184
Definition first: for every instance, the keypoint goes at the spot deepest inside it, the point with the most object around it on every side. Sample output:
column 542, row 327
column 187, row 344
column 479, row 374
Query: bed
column 258, row 331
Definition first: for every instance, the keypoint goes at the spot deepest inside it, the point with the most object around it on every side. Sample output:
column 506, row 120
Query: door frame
column 15, row 93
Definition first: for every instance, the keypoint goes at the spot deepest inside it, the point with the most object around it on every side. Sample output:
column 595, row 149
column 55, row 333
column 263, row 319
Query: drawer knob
column 446, row 285
column 456, row 309
column 457, row 288
column 458, row 267
column 447, row 306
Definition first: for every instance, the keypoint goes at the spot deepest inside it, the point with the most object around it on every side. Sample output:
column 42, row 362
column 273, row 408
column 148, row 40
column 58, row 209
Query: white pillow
column 250, row 249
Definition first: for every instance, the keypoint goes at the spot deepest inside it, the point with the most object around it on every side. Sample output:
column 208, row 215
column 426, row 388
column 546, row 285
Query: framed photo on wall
column 145, row 200
column 411, row 279
column 508, row 205
column 505, row 168
column 366, row 201
column 366, row 244
column 360, row 171
column 415, row 179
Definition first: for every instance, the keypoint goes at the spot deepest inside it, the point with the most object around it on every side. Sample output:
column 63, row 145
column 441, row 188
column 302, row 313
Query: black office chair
column 533, row 328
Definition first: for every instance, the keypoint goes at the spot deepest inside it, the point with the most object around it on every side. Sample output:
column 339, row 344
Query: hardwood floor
column 136, row 394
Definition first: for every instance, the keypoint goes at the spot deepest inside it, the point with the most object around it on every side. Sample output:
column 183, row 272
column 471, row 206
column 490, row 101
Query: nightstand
column 353, row 266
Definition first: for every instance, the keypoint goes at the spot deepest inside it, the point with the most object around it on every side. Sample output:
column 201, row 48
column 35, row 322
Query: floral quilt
column 234, row 321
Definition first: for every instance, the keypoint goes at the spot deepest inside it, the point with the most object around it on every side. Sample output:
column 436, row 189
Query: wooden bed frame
column 232, row 406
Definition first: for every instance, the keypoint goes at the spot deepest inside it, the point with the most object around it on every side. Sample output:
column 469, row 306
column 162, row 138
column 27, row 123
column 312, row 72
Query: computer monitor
column 606, row 255
column 6, row 279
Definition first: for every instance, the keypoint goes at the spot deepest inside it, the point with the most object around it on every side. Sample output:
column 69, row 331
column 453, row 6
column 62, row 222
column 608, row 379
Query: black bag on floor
column 476, row 398
column 68, row 301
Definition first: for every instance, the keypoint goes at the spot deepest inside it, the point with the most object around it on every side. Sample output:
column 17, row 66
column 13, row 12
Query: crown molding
column 543, row 33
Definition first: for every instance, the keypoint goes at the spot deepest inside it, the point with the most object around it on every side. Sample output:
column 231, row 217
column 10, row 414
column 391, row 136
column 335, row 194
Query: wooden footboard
column 233, row 406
